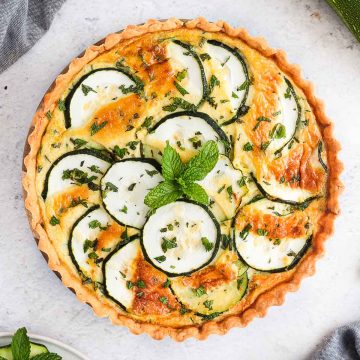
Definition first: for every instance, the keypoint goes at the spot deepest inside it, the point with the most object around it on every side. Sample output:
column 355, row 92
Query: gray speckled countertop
column 31, row 295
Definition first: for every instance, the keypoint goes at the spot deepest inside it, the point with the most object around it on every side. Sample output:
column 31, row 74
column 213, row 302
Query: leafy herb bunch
column 180, row 179
column 20, row 348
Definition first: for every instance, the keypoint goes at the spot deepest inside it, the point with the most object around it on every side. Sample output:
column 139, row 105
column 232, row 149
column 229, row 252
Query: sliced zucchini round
column 35, row 349
column 120, row 268
column 186, row 132
column 225, row 188
column 180, row 238
column 93, row 236
column 190, row 80
column 94, row 90
column 229, row 285
column 283, row 193
column 231, row 63
column 78, row 167
column 288, row 120
column 125, row 186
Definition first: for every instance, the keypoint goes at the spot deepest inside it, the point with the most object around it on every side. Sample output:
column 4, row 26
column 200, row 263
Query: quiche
column 181, row 177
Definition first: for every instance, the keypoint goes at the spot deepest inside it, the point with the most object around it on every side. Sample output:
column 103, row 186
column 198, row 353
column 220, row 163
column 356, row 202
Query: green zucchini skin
column 296, row 260
column 189, row 48
column 223, row 137
column 94, row 152
column 321, row 161
column 150, row 161
column 349, row 12
column 243, row 109
column 275, row 199
column 299, row 110
column 215, row 251
column 77, row 85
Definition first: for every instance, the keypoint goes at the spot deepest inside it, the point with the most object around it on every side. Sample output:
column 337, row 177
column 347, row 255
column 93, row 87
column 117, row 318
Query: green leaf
column 164, row 193
column 195, row 192
column 201, row 164
column 172, row 167
column 20, row 345
column 278, row 131
column 181, row 90
column 47, row 356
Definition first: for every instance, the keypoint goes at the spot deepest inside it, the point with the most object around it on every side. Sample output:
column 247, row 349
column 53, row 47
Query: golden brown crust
column 276, row 294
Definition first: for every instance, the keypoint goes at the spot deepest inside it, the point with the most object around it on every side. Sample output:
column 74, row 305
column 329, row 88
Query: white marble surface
column 31, row 295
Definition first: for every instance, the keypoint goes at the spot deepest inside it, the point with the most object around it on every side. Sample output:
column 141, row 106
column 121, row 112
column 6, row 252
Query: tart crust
column 276, row 294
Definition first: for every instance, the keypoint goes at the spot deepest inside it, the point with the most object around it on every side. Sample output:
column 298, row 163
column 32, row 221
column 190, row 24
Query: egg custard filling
column 181, row 175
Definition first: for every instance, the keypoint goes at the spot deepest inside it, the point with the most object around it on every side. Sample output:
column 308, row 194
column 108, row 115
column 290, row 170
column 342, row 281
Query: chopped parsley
column 248, row 147
column 86, row 89
column 207, row 244
column 54, row 221
column 97, row 127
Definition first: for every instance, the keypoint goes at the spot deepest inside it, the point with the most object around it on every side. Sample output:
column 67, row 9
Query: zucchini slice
column 125, row 186
column 225, row 189
column 78, row 167
column 180, row 238
column 283, row 193
column 290, row 112
column 232, row 64
column 118, row 269
column 192, row 85
column 215, row 289
column 263, row 236
column 186, row 132
column 93, row 236
column 94, row 90
column 35, row 349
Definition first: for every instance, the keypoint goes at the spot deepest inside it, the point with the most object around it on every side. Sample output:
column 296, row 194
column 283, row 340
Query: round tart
column 181, row 177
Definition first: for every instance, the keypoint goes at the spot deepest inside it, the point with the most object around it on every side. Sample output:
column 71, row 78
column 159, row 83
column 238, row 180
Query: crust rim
column 274, row 296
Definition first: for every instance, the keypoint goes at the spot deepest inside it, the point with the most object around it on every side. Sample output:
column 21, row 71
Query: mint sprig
column 180, row 178
column 20, row 348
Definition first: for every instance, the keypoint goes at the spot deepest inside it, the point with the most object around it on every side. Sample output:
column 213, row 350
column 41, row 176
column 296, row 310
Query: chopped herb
column 61, row 105
column 181, row 90
column 262, row 232
column 54, row 221
column 97, row 127
column 140, row 284
column 208, row 304
column 221, row 189
column 78, row 143
column 93, row 256
column 278, row 131
column 179, row 103
column 147, row 122
column 151, row 173
column 205, row 56
column 132, row 144
column 242, row 181
column 160, row 259
column 181, row 75
column 200, row 291
column 88, row 244
column 233, row 95
column 276, row 113
column 140, row 294
column 244, row 85
column 131, row 187
column 106, row 249
column 48, row 115
column 168, row 244
column 210, row 316
column 124, row 209
column 264, row 145
column 291, row 253
column 110, row 187
column 287, row 94
column 248, row 147
column 129, row 128
column 207, row 244
column 196, row 142
column 95, row 169
column 225, row 241
column 163, row 299
column 121, row 273
column 78, row 201
column 226, row 60
column 120, row 152
column 129, row 284
column 224, row 101
column 93, row 224
column 86, row 89
column 277, row 242
column 282, row 180
column 166, row 284
column 259, row 120
column 245, row 231
column 229, row 190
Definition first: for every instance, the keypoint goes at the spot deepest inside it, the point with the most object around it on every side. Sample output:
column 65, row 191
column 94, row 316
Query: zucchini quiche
column 181, row 177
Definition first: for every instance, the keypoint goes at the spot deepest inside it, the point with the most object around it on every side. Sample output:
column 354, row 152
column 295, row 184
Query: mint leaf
column 172, row 167
column 20, row 345
column 2, row 358
column 195, row 192
column 164, row 193
column 47, row 356
column 201, row 164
